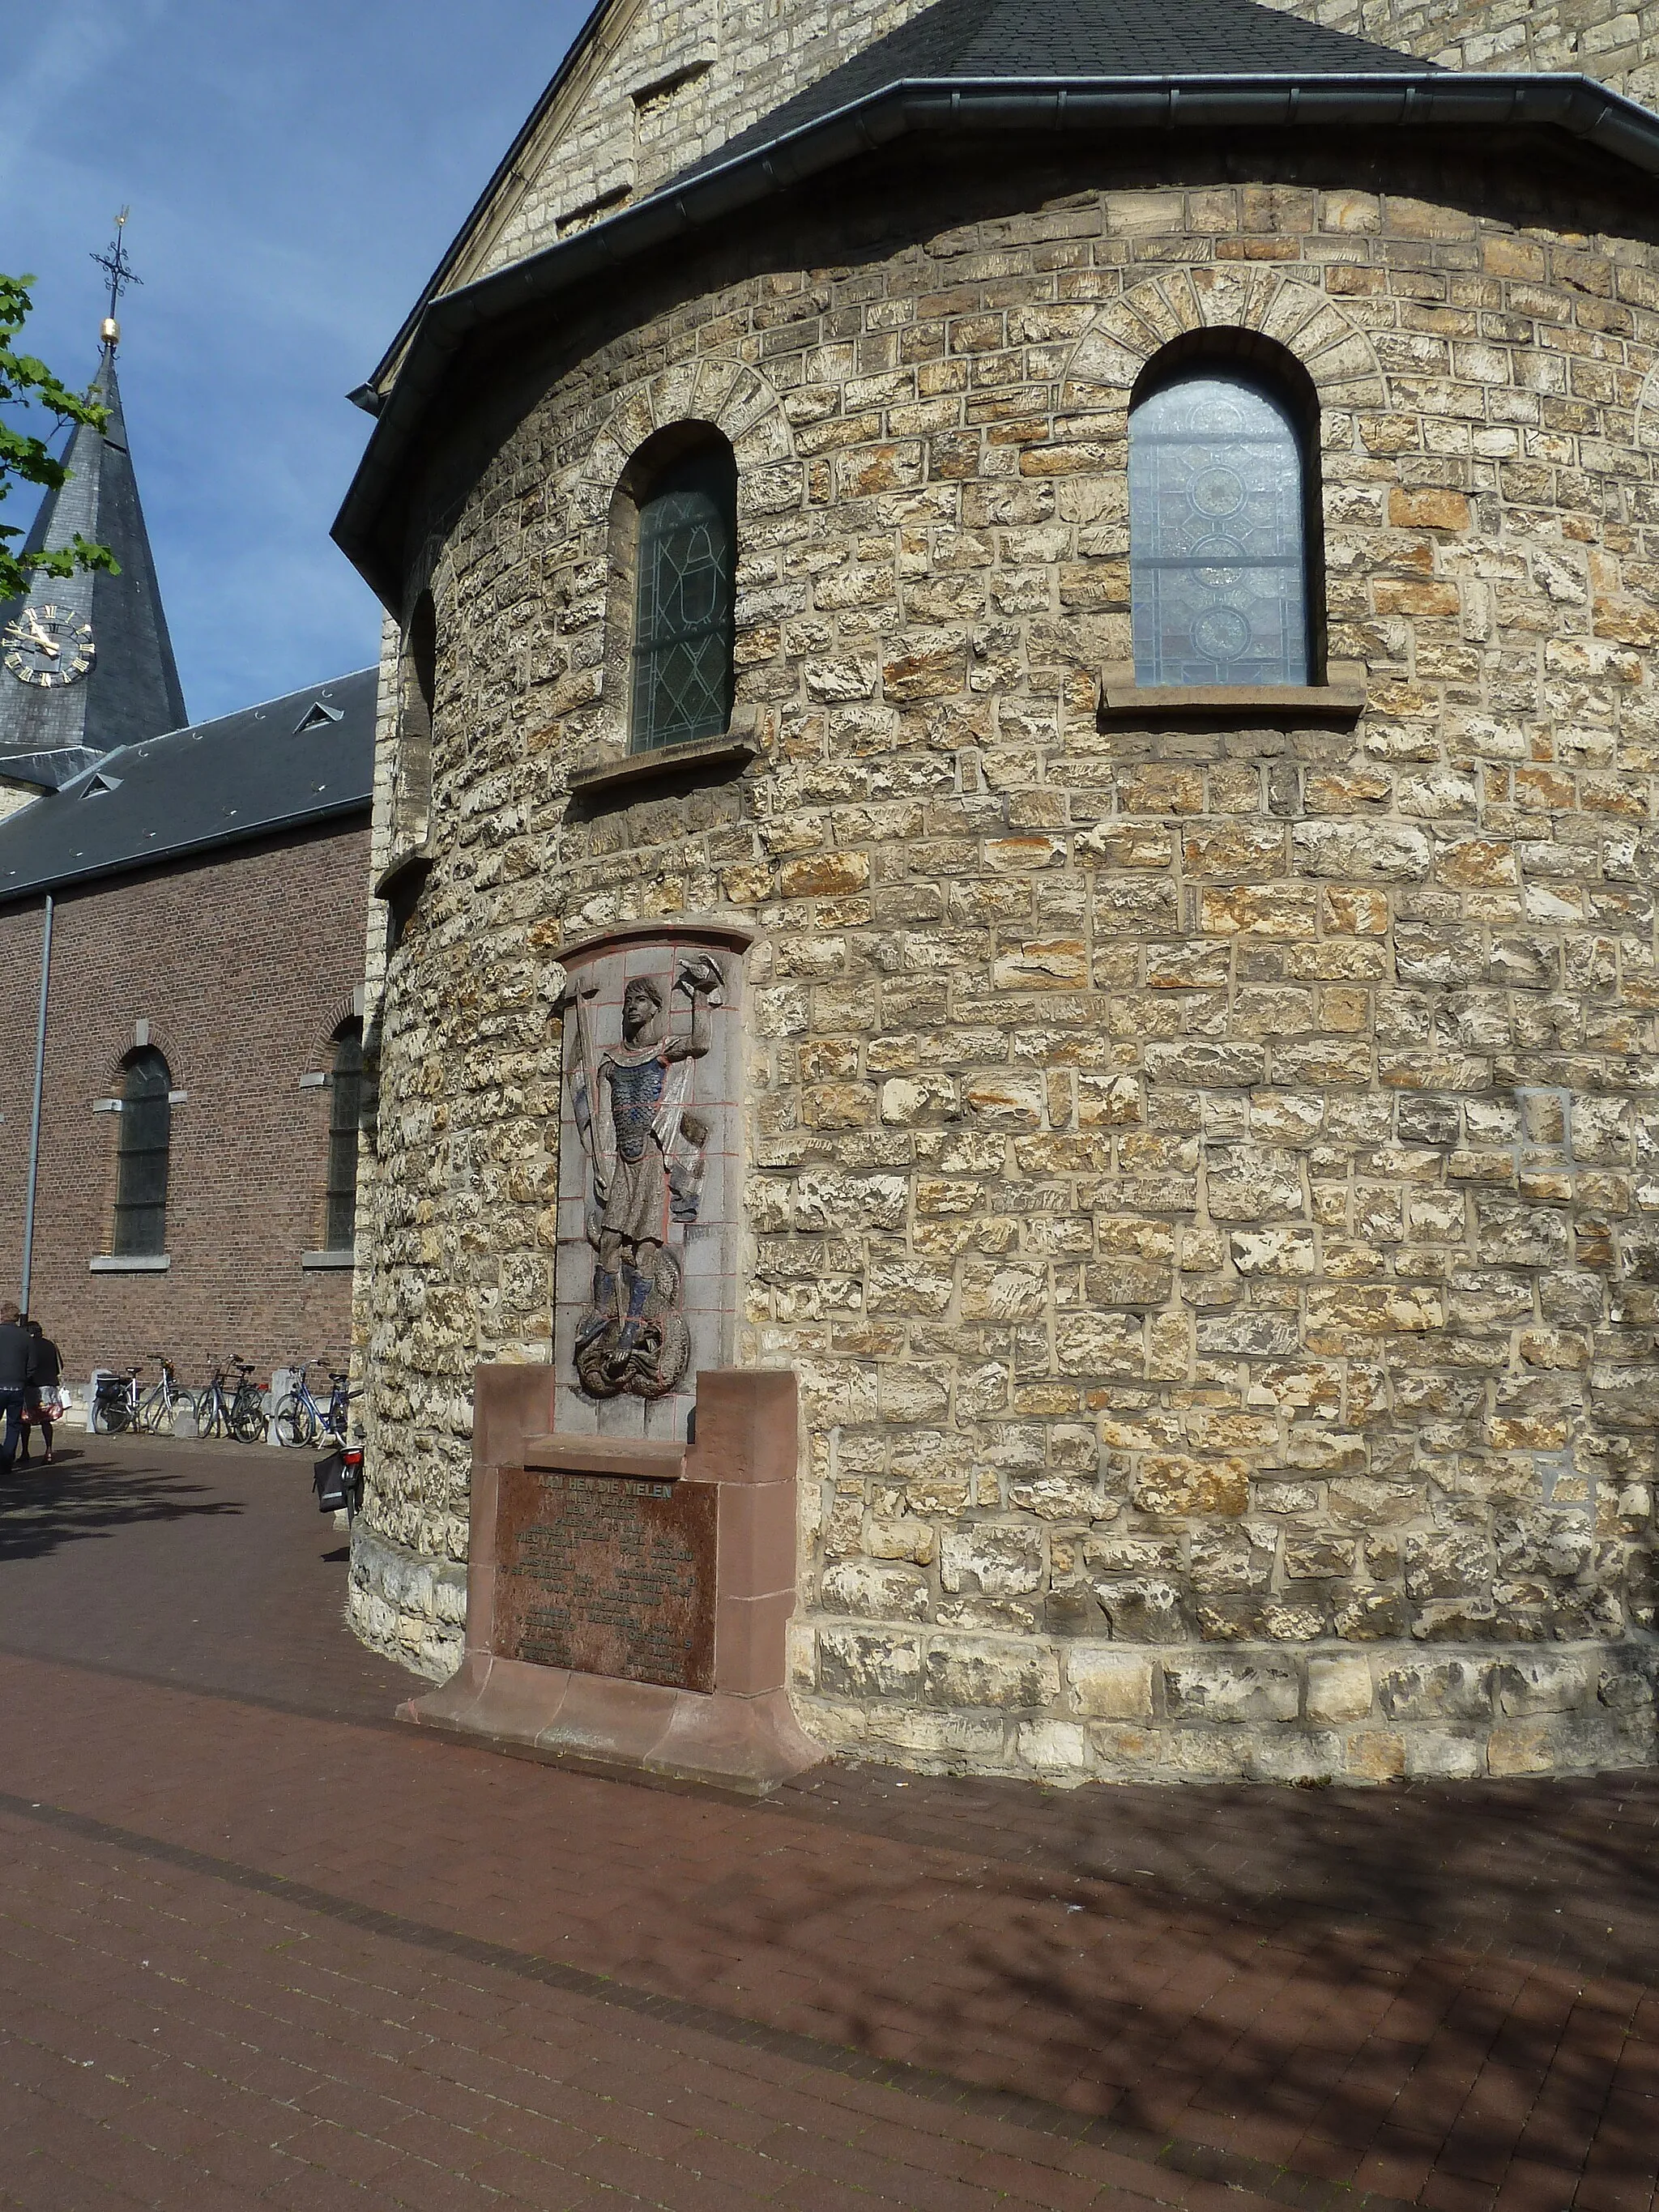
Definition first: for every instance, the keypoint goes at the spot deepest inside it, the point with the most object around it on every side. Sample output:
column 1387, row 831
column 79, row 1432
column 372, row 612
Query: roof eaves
column 135, row 864
column 368, row 394
column 1424, row 99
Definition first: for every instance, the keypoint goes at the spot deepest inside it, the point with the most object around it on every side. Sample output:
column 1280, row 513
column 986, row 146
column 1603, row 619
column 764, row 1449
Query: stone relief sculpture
column 644, row 1149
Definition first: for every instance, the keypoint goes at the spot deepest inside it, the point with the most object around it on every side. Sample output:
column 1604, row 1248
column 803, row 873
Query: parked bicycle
column 239, row 1414
column 301, row 1420
column 161, row 1408
column 115, row 1402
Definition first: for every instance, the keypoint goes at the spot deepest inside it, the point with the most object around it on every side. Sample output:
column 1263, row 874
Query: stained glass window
column 682, row 625
column 346, row 1100
column 1217, row 558
column 140, row 1176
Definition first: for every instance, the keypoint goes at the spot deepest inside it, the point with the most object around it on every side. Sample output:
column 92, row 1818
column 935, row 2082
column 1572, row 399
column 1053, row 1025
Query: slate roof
column 133, row 690
column 1089, row 71
column 980, row 40
column 296, row 760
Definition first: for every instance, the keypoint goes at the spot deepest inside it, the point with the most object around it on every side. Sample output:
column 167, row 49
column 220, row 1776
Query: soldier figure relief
column 645, row 1146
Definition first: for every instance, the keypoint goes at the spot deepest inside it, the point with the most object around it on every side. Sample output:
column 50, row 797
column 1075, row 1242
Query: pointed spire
column 108, row 634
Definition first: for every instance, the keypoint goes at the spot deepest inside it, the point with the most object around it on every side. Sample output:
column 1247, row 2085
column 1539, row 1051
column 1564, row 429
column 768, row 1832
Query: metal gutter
column 137, row 864
column 1430, row 100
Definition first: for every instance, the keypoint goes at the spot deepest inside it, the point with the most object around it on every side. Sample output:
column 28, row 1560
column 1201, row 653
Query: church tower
column 86, row 663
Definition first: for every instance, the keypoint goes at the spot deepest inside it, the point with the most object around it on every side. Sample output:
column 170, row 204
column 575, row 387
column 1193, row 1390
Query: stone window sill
column 129, row 1263
column 1342, row 696
column 733, row 747
column 315, row 1260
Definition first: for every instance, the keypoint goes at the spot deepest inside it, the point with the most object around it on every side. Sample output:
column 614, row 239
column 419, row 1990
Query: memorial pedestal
column 626, row 1602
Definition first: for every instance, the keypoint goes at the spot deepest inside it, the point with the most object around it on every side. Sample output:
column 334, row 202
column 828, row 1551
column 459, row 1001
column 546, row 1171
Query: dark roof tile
column 1073, row 40
column 269, row 767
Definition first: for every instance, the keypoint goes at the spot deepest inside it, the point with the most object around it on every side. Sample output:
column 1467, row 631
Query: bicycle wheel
column 208, row 1413
column 247, row 1420
column 295, row 1423
column 109, row 1417
column 153, row 1412
column 184, row 1403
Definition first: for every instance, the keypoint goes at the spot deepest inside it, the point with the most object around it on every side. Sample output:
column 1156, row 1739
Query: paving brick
column 332, row 2016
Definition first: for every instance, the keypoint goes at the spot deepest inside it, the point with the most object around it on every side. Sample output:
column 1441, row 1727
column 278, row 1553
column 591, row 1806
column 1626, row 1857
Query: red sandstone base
column 740, row 1735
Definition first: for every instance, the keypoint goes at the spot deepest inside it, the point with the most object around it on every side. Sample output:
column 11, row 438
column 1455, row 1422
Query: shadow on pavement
column 1445, row 1979
column 1552, row 1871
column 224, row 1579
column 43, row 1507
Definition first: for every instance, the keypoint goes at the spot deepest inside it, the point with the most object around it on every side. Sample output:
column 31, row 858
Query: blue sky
column 294, row 170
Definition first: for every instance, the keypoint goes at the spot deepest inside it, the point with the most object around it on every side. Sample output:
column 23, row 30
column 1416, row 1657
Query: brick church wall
column 1201, row 1173
column 242, row 963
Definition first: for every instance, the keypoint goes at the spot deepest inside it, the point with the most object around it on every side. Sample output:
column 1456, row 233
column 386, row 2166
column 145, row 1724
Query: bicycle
column 306, row 1421
column 115, row 1403
column 301, row 1420
column 241, row 1415
column 161, row 1409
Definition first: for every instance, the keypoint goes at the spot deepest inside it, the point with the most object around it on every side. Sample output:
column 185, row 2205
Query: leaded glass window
column 346, row 1104
column 682, row 623
column 1217, row 536
column 140, row 1176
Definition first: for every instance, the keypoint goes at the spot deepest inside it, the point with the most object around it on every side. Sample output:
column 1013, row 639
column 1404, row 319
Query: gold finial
column 113, row 260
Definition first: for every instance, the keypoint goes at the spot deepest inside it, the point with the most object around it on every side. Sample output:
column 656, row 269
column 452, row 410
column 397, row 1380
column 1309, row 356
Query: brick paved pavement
column 258, row 1947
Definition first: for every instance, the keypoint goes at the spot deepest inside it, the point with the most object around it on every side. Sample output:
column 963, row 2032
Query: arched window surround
column 418, row 675
column 144, row 1156
column 345, row 1097
column 691, row 457
column 1262, row 364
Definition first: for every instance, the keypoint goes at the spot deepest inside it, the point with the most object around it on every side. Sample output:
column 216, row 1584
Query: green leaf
column 26, row 457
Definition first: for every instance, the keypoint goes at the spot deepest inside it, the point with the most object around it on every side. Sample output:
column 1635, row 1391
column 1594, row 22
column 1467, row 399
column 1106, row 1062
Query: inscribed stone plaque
column 607, row 1574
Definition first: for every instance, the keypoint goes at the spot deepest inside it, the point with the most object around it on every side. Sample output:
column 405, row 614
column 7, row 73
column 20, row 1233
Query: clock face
column 48, row 645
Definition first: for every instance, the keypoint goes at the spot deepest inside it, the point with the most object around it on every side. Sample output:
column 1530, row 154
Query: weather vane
column 113, row 261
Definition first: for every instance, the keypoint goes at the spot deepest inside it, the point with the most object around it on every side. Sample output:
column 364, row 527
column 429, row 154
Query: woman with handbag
column 42, row 1401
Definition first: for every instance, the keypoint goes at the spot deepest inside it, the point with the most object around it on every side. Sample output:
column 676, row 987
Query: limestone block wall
column 1608, row 39
column 659, row 87
column 1202, row 1173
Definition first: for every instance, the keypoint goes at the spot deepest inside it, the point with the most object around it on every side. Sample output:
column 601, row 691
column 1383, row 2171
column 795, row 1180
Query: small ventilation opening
column 318, row 716
column 95, row 785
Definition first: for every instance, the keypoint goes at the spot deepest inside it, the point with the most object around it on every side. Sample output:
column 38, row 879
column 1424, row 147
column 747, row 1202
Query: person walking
column 41, row 1402
column 16, row 1373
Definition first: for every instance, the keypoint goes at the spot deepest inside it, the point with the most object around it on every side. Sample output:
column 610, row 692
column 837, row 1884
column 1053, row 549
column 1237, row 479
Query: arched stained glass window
column 345, row 1111
column 141, row 1174
column 1217, row 546
column 685, row 602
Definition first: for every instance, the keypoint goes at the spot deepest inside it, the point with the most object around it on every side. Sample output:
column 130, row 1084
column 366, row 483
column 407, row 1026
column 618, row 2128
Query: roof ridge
column 258, row 705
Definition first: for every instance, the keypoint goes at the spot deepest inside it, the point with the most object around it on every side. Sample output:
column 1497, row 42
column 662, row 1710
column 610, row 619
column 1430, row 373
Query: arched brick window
column 345, row 1113
column 146, row 1143
column 685, row 596
column 1218, row 529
